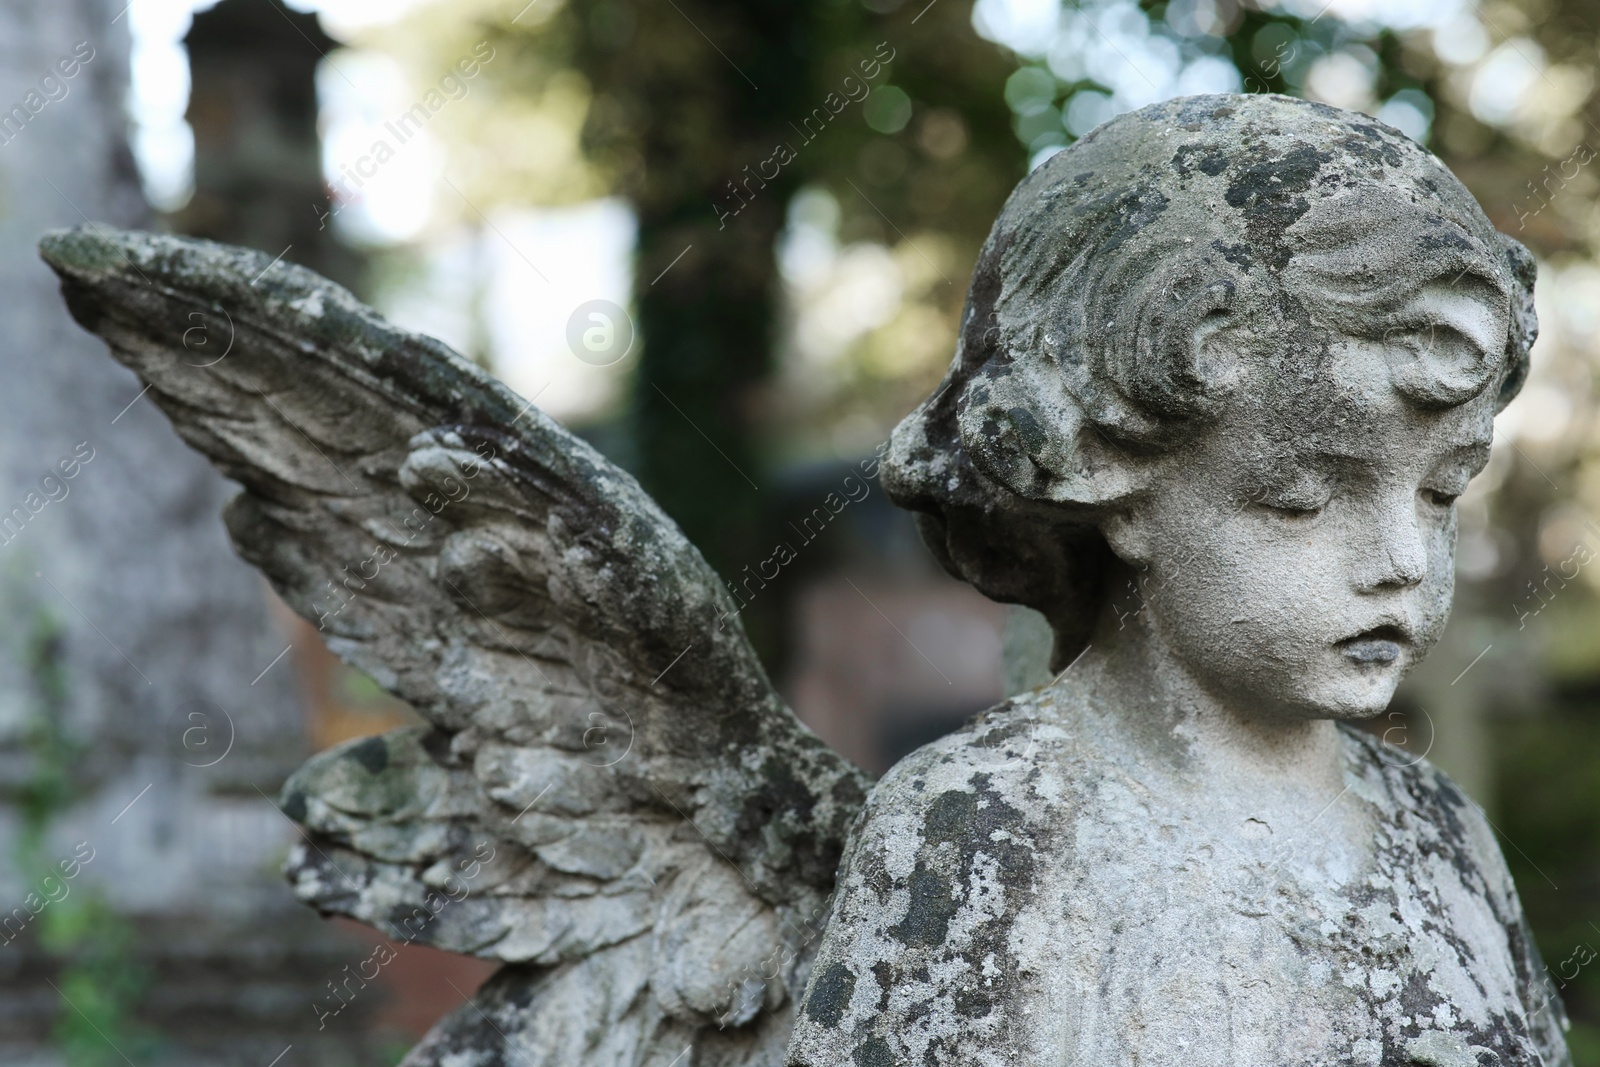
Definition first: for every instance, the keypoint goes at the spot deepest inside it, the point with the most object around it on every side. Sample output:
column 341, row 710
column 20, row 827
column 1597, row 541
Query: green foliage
column 48, row 787
column 99, row 979
column 1550, row 797
column 1583, row 1040
column 101, row 982
column 392, row 1052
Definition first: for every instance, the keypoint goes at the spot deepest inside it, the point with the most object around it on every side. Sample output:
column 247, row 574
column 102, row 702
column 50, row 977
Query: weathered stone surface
column 1225, row 367
column 609, row 787
column 1023, row 893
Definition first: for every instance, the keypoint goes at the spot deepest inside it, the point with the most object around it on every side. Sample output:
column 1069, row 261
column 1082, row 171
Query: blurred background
column 727, row 243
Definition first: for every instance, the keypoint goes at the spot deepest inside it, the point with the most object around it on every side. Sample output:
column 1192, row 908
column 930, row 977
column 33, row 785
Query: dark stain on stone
column 372, row 754
column 1208, row 159
column 1028, row 430
column 1133, row 212
column 1271, row 196
column 436, row 743
column 1237, row 254
column 958, row 826
column 847, row 793
column 1445, row 238
column 780, row 796
column 971, row 999
column 784, row 803
column 885, row 976
column 1371, row 143
column 999, row 734
column 830, row 995
column 933, row 905
column 294, row 805
column 949, row 816
column 874, row 876
column 920, row 1010
column 874, row 1052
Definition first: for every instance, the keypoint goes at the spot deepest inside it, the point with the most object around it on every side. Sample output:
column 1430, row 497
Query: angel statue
column 1226, row 364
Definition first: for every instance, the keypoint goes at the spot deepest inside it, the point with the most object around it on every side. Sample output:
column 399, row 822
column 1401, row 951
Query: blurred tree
column 709, row 116
column 678, row 118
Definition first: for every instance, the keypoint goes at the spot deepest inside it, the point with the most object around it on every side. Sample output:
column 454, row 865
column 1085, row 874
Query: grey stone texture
column 1225, row 366
column 1226, row 363
column 610, row 797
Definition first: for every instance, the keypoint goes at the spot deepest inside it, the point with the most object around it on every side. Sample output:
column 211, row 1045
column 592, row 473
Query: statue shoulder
column 1004, row 771
column 1429, row 815
column 951, row 850
column 1423, row 798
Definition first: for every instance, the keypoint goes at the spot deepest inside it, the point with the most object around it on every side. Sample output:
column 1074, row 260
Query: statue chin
column 1346, row 690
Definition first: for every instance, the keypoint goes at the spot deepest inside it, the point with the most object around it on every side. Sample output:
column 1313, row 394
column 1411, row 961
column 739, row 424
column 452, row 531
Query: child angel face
column 1299, row 558
column 1247, row 350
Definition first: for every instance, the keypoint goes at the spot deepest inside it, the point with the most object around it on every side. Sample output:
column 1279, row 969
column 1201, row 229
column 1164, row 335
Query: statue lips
column 1377, row 646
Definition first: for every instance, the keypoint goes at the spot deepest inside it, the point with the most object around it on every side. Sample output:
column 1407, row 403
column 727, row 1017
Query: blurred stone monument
column 258, row 156
column 147, row 710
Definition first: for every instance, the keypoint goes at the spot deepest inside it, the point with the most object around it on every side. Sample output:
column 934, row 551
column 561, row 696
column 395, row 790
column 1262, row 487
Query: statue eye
column 1294, row 511
column 1293, row 504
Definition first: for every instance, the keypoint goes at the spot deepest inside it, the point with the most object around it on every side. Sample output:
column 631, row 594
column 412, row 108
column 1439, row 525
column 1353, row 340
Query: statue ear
column 1127, row 533
column 1524, row 320
column 1024, row 430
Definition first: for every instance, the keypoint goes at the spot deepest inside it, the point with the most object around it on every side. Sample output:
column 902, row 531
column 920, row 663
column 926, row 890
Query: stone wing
column 609, row 796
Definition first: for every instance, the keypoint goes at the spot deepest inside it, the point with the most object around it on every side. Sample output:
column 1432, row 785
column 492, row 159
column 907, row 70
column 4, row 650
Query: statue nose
column 1404, row 571
column 1403, row 558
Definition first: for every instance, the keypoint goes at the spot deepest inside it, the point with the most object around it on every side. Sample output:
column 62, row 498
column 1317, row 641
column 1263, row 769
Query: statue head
column 1244, row 351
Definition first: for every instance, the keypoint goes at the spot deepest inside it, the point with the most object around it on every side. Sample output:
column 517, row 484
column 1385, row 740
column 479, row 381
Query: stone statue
column 1225, row 366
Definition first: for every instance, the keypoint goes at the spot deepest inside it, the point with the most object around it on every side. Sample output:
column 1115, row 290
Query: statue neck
column 1149, row 709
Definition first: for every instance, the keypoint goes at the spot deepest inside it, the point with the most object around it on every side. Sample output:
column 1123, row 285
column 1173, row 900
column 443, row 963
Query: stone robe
column 1017, row 895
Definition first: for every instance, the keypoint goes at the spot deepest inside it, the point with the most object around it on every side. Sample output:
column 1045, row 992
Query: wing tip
column 84, row 252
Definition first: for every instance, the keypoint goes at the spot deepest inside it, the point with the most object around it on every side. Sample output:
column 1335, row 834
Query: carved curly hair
column 1083, row 357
